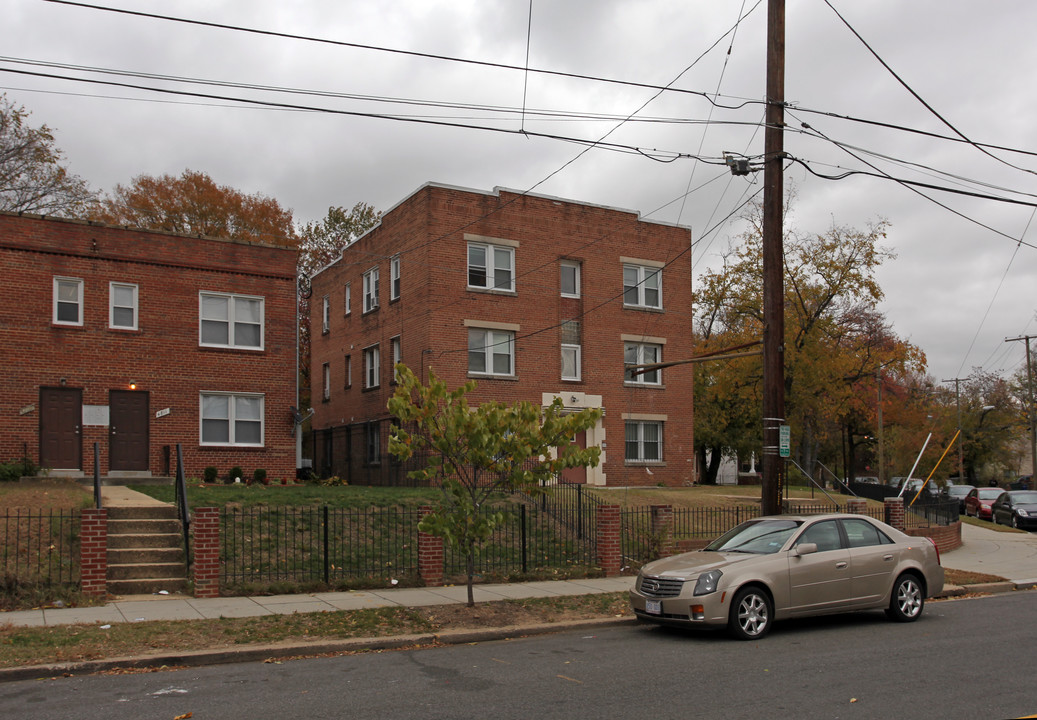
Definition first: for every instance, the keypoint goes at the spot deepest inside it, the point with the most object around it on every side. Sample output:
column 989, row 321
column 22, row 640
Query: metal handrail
column 182, row 511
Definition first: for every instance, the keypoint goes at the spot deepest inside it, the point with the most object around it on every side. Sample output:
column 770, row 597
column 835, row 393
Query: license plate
column 653, row 607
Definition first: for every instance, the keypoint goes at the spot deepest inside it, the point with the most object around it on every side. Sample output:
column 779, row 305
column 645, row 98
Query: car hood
column 695, row 563
column 1028, row 507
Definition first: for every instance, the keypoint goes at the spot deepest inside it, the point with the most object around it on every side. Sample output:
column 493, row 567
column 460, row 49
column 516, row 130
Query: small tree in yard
column 476, row 452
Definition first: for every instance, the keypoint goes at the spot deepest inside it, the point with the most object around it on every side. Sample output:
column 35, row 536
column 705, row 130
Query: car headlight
column 707, row 582
column 1023, row 513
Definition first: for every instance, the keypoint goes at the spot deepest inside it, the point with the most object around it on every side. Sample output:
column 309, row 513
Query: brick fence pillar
column 857, row 506
column 895, row 512
column 93, row 551
column 205, row 538
column 430, row 555
column 610, row 555
column 662, row 529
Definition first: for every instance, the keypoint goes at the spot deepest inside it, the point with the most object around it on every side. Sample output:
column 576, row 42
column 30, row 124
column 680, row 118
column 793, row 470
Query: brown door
column 128, row 433
column 577, row 475
column 61, row 419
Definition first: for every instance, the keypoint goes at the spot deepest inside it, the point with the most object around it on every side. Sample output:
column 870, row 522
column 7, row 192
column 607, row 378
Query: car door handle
column 840, row 565
column 888, row 558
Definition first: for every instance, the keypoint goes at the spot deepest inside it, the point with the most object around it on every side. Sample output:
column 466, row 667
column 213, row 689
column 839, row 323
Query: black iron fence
column 359, row 454
column 39, row 547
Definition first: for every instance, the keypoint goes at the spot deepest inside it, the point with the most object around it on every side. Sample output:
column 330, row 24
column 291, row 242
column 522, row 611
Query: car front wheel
column 908, row 599
column 751, row 614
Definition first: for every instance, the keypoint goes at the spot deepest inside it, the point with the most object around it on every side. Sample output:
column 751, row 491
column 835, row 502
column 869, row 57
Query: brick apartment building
column 535, row 298
column 140, row 340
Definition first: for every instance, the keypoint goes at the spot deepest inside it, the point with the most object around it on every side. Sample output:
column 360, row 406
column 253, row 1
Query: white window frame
column 232, row 420
column 394, row 278
column 78, row 283
column 397, row 356
column 488, row 342
column 640, row 286
column 112, row 306
column 490, row 269
column 326, row 380
column 577, row 353
column 640, row 440
column 575, row 266
column 231, row 299
column 349, row 298
column 372, row 367
column 643, row 378
column 325, row 314
column 371, row 289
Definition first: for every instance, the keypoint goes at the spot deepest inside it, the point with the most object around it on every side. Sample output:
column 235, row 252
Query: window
column 394, row 278
column 349, row 297
column 325, row 313
column 491, row 267
column 825, row 534
column 326, row 378
column 861, row 533
column 642, row 354
column 370, row 289
column 371, row 367
column 570, row 279
column 396, row 356
column 491, row 352
column 230, row 419
column 644, row 441
column 234, row 321
column 373, row 438
column 68, row 301
column 122, row 306
column 571, row 350
column 349, row 371
column 642, row 286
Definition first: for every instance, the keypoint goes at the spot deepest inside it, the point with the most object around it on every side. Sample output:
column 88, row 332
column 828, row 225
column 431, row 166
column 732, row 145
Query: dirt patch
column 45, row 495
column 502, row 614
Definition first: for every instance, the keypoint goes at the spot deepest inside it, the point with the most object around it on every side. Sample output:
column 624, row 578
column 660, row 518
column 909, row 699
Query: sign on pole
column 784, row 438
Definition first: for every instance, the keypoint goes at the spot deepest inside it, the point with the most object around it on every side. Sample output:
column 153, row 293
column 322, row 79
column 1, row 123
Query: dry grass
column 704, row 496
column 45, row 495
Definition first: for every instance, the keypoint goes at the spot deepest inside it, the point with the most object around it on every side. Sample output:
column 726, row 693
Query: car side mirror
column 806, row 548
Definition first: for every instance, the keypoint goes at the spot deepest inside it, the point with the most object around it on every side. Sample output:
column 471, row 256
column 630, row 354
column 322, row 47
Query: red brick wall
column 430, row 556
column 946, row 537
column 428, row 231
column 163, row 356
column 93, row 551
column 610, row 551
column 205, row 536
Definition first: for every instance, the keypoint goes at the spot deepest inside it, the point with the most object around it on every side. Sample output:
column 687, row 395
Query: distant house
column 138, row 341
column 533, row 297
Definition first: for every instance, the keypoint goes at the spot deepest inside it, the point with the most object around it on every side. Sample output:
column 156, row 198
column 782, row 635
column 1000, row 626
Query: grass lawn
column 338, row 496
column 706, row 496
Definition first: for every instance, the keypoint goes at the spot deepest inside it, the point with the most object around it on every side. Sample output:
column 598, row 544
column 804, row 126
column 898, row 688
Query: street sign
column 784, row 438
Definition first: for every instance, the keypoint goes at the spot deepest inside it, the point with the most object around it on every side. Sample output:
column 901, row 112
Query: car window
column 756, row 536
column 825, row 534
column 990, row 493
column 1027, row 497
column 861, row 533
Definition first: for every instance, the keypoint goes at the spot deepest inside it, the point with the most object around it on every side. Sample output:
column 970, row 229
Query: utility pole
column 773, row 263
column 1029, row 404
column 882, row 460
column 961, row 440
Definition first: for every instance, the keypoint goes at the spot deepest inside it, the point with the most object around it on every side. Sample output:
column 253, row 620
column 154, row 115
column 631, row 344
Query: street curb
column 276, row 651
column 985, row 588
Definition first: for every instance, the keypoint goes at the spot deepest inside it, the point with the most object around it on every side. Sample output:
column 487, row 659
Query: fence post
column 525, row 558
column 610, row 555
column 662, row 529
column 894, row 507
column 93, row 551
column 857, row 506
column 206, row 535
column 430, row 554
column 327, row 560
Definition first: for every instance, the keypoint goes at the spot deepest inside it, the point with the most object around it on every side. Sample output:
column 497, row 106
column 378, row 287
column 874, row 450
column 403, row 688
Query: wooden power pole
column 773, row 262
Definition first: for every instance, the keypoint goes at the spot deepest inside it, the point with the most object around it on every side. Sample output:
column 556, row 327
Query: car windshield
column 1025, row 497
column 756, row 536
column 989, row 493
column 959, row 490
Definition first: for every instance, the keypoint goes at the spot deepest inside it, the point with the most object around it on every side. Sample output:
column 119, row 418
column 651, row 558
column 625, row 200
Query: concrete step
column 148, row 586
column 122, row 541
column 149, row 512
column 138, row 526
column 130, row 556
column 144, row 571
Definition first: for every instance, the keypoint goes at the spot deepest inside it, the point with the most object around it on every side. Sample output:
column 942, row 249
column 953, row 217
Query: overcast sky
column 961, row 282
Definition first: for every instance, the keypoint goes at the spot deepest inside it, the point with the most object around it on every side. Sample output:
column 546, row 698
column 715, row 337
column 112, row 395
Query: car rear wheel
column 751, row 614
column 908, row 599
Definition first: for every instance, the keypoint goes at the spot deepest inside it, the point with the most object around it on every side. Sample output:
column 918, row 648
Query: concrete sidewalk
column 1011, row 555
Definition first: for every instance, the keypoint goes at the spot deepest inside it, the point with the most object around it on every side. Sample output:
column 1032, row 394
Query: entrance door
column 61, row 418
column 128, row 430
column 577, row 475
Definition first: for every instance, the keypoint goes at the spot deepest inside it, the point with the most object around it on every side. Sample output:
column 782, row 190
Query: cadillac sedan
column 787, row 566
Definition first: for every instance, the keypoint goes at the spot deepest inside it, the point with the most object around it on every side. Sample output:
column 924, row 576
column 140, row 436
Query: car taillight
column 936, row 548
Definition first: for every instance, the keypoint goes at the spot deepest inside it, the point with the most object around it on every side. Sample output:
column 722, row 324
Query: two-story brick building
column 139, row 341
column 535, row 298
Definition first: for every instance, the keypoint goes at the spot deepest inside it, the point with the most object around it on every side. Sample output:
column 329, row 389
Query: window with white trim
column 642, row 354
column 491, row 267
column 349, row 371
column 325, row 314
column 644, row 441
column 68, row 301
column 394, row 278
column 371, row 289
column 231, row 419
column 491, row 352
column 233, row 321
column 122, row 306
column 326, row 380
column 371, row 367
column 642, row 286
column 397, row 354
column 571, row 350
column 570, row 278
column 349, row 298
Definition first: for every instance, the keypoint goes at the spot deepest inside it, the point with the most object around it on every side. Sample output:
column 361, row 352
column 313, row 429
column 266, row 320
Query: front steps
column 145, row 551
